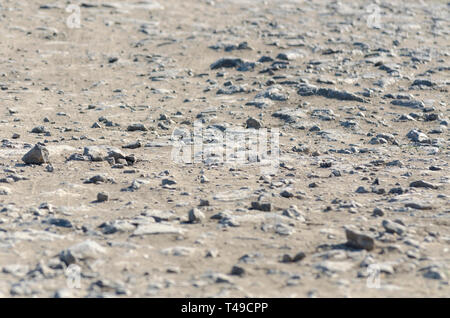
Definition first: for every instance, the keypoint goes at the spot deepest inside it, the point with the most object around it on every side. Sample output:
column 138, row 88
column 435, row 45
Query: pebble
column 253, row 123
column 393, row 227
column 82, row 251
column 417, row 136
column 39, row 154
column 136, row 127
column 359, row 240
column 102, row 197
column 422, row 184
column 196, row 216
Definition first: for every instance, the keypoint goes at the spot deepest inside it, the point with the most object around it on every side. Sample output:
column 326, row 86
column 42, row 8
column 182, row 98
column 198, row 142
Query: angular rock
column 393, row 227
column 227, row 62
column 102, row 196
column 39, row 154
column 137, row 127
column 253, row 123
column 417, row 136
column 359, row 240
column 81, row 251
column 196, row 216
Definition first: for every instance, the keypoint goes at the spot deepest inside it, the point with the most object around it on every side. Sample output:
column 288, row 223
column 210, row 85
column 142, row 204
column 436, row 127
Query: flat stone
column 359, row 240
column 157, row 228
column 393, row 227
column 422, row 184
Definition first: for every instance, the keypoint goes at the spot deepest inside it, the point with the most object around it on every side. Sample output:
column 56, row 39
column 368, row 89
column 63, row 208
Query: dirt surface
column 351, row 198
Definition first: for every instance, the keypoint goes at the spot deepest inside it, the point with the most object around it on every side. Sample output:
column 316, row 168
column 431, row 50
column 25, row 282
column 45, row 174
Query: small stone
column 419, row 205
column 137, row 127
column 361, row 189
column 326, row 164
column 81, row 251
column 5, row 190
column 422, row 184
column 253, row 123
column 397, row 190
column 289, row 56
column 168, row 182
column 298, row 257
column 204, row 179
column 133, row 145
column 359, row 240
column 435, row 273
column 377, row 212
column 213, row 253
column 37, row 155
column 417, row 136
column 228, row 62
column 97, row 179
column 59, row 222
column 38, row 130
column 237, row 271
column 196, row 216
column 261, row 206
column 286, row 194
column 102, row 196
column 393, row 227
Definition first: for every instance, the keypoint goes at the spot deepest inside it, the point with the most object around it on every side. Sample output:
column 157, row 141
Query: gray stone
column 137, row 127
column 393, row 227
column 359, row 240
column 253, row 123
column 408, row 103
column 422, row 184
column 5, row 190
column 227, row 62
column 418, row 136
column 39, row 154
column 196, row 216
column 237, row 271
column 82, row 251
column 102, row 196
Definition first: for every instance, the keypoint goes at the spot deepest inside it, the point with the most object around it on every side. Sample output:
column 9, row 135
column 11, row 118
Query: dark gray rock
column 359, row 240
column 39, row 154
column 227, row 62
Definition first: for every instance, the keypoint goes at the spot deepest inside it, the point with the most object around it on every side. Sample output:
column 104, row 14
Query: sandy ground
column 351, row 95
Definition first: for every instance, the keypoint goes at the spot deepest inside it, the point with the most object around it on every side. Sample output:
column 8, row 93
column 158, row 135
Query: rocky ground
column 94, row 203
